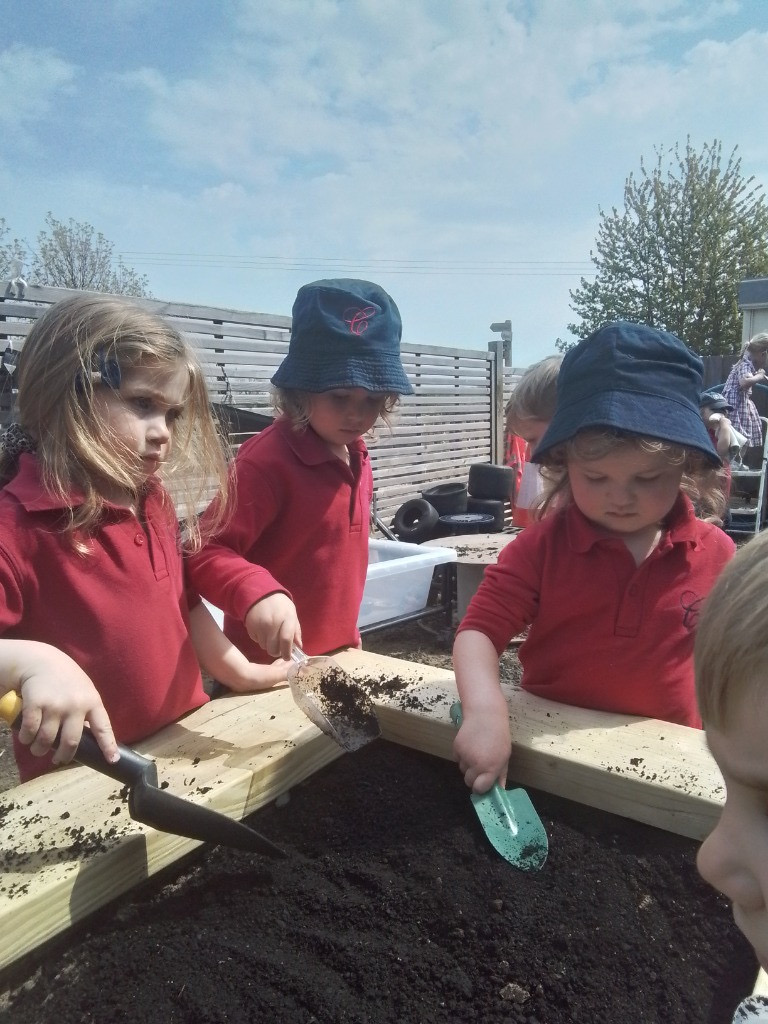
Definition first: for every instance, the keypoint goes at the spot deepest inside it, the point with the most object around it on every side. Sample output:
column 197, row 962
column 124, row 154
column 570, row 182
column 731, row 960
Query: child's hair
column 68, row 352
column 701, row 481
column 731, row 647
column 297, row 405
column 758, row 343
column 535, row 395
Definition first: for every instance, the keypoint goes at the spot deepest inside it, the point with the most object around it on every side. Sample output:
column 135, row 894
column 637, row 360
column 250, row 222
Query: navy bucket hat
column 630, row 377
column 345, row 334
column 714, row 400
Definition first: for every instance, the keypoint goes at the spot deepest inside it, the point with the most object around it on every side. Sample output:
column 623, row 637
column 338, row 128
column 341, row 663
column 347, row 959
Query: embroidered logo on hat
column 358, row 318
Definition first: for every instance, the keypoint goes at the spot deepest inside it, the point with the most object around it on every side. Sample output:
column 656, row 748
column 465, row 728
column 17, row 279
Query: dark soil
column 393, row 907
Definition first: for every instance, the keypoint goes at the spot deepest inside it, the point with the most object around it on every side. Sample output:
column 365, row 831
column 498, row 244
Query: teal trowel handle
column 509, row 820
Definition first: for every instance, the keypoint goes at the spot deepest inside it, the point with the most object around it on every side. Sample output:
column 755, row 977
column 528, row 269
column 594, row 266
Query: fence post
column 496, row 370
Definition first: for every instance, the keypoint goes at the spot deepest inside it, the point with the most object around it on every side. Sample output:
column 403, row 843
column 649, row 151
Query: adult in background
column 737, row 391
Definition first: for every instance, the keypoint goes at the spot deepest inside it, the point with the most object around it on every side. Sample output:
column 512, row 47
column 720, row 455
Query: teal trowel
column 510, row 821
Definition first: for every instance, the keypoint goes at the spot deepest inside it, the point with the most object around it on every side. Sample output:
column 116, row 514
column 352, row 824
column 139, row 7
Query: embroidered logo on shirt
column 358, row 318
column 691, row 605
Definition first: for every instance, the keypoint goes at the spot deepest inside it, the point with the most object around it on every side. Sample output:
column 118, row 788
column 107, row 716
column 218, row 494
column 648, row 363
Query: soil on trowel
column 393, row 908
column 346, row 705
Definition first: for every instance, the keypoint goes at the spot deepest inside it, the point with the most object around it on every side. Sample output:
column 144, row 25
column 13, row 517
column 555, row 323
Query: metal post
column 502, row 347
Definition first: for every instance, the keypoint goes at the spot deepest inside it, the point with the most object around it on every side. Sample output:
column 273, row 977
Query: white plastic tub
column 398, row 579
column 397, row 582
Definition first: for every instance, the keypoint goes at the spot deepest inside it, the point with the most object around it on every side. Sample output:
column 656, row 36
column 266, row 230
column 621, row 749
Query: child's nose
column 158, row 428
column 621, row 494
column 356, row 413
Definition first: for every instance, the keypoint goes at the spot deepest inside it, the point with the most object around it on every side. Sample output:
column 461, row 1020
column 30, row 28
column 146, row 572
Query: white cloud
column 427, row 91
column 30, row 80
column 471, row 133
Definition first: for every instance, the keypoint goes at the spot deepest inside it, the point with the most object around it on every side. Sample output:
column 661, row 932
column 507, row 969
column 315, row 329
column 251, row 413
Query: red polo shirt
column 604, row 633
column 300, row 526
column 121, row 611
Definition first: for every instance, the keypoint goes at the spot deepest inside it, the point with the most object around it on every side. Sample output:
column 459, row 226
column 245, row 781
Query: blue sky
column 455, row 151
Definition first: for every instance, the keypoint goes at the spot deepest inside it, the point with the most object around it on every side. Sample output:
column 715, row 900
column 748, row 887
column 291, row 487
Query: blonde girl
column 700, row 480
column 96, row 624
column 528, row 414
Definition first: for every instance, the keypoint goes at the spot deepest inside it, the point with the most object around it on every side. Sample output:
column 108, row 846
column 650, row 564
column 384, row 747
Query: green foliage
column 690, row 232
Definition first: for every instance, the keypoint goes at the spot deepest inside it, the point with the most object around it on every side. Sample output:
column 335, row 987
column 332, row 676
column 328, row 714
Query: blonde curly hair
column 702, row 481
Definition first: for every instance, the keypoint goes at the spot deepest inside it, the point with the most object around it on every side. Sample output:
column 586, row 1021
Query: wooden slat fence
column 455, row 417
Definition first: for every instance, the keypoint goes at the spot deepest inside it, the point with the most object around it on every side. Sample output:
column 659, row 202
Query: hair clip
column 108, row 373
column 109, row 370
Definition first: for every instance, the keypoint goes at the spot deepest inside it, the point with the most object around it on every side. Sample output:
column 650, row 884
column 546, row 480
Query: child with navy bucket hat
column 290, row 565
column 611, row 577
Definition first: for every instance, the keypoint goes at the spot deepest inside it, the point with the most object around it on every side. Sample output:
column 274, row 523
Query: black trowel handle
column 129, row 769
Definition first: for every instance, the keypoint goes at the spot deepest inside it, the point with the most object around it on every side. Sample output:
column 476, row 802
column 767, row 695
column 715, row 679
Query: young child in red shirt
column 528, row 414
column 731, row 659
column 96, row 625
column 611, row 578
column 289, row 567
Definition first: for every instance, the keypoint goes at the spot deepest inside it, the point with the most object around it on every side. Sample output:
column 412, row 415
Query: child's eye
column 142, row 403
column 648, row 479
column 174, row 414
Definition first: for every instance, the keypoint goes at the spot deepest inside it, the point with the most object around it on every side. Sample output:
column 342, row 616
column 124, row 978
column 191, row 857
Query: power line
column 502, row 268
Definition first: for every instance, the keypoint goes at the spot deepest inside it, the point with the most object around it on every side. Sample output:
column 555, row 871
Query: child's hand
column 58, row 699
column 219, row 657
column 274, row 625
column 482, row 748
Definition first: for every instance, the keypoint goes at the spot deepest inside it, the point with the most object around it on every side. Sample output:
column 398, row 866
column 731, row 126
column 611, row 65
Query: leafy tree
column 690, row 231
column 74, row 255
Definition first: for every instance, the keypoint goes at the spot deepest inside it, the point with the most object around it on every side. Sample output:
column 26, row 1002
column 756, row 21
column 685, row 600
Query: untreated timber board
column 67, row 845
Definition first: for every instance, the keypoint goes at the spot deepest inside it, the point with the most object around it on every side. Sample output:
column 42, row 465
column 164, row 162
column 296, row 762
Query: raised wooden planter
column 67, row 845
